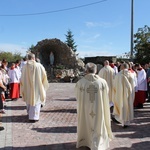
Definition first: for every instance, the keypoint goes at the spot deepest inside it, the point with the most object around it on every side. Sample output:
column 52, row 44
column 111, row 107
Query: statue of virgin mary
column 51, row 57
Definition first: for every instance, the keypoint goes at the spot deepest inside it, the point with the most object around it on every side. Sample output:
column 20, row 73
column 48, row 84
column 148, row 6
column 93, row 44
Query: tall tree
column 31, row 49
column 142, row 45
column 70, row 40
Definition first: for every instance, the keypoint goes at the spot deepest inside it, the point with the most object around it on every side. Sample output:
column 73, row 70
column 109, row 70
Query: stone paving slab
column 56, row 129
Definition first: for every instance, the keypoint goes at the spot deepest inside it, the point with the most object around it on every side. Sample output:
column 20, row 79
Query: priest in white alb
column 34, row 84
column 123, row 96
column 93, row 113
column 108, row 73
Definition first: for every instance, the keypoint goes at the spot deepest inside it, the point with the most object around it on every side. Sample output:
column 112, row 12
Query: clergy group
column 109, row 94
column 112, row 93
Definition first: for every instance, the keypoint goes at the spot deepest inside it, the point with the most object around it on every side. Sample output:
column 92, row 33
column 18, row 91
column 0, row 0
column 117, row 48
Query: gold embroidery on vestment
column 92, row 90
column 81, row 89
column 81, row 140
column 92, row 114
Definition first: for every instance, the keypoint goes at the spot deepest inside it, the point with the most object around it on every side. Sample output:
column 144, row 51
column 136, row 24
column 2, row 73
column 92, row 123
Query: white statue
column 51, row 57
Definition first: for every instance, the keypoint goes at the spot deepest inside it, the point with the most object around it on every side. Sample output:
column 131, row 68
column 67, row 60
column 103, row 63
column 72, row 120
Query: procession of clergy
column 109, row 94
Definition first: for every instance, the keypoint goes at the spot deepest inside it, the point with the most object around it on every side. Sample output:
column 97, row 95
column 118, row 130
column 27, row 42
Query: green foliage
column 142, row 45
column 10, row 57
column 32, row 49
column 70, row 40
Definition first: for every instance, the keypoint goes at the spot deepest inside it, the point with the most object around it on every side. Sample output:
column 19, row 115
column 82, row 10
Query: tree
column 142, row 45
column 10, row 57
column 32, row 49
column 70, row 40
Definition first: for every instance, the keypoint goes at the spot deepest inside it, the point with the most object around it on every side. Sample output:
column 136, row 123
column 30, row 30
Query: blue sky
column 102, row 29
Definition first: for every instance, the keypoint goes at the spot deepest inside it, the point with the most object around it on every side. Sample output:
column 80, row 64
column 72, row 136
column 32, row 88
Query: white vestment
column 22, row 64
column 14, row 75
column 115, row 69
column 123, row 97
column 34, row 111
column 33, row 85
column 94, row 126
column 108, row 74
column 141, row 80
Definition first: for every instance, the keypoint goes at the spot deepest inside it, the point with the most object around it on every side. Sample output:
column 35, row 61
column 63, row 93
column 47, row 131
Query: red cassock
column 14, row 90
column 140, row 97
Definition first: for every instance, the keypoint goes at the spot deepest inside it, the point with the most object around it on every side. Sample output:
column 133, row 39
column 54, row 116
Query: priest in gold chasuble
column 123, row 96
column 94, row 124
column 108, row 74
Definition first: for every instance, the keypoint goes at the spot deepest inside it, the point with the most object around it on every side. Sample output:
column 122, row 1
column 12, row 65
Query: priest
column 108, row 74
column 123, row 98
column 93, row 113
column 34, row 84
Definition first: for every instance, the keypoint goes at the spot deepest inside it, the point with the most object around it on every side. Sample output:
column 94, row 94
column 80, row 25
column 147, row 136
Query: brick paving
column 56, row 129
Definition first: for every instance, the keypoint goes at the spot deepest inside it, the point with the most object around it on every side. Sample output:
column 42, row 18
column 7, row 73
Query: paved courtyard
column 56, row 129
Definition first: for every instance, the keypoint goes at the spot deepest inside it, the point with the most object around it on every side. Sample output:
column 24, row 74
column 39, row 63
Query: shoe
column 14, row 99
column 113, row 119
column 33, row 121
column 1, row 128
column 3, row 111
column 125, row 126
column 139, row 106
column 111, row 109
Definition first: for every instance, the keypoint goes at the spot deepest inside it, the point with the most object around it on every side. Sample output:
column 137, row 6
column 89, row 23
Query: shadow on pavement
column 72, row 146
column 72, row 129
column 18, row 119
column 60, row 146
column 140, row 126
column 136, row 146
column 16, row 107
column 70, row 99
column 60, row 111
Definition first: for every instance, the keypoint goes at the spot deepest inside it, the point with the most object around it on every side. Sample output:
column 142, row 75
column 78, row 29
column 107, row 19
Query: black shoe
column 125, row 126
column 139, row 106
column 111, row 109
column 14, row 99
column 33, row 121
column 113, row 119
column 1, row 128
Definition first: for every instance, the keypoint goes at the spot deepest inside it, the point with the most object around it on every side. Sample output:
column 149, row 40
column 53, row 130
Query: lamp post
column 131, row 48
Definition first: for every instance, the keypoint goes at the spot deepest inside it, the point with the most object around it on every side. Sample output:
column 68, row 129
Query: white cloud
column 96, row 36
column 102, row 24
column 92, row 38
column 14, row 48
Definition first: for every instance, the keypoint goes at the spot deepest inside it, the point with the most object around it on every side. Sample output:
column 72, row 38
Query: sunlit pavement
column 56, row 129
